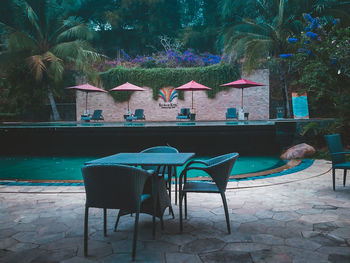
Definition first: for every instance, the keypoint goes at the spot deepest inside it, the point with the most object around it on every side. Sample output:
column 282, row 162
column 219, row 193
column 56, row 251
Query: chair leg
column 344, row 178
column 161, row 223
column 185, row 205
column 180, row 209
column 116, row 222
column 333, row 177
column 135, row 235
column 226, row 212
column 175, row 188
column 105, row 222
column 86, row 219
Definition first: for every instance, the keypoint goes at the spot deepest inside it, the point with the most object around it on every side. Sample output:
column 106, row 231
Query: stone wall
column 256, row 102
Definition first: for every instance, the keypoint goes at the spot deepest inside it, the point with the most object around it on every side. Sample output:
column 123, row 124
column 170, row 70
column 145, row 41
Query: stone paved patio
column 293, row 218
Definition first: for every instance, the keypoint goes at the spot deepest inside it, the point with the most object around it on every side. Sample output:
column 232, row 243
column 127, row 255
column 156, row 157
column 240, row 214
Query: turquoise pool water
column 68, row 168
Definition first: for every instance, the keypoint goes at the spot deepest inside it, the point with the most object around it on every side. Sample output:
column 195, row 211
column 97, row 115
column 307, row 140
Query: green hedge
column 157, row 78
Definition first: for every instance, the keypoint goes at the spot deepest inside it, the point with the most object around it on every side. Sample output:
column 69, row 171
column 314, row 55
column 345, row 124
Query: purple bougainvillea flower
column 286, row 55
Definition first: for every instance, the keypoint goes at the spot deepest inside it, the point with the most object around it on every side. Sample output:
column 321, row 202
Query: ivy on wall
column 157, row 78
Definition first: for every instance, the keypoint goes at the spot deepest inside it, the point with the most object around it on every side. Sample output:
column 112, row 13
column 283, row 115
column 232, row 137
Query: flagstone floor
column 293, row 218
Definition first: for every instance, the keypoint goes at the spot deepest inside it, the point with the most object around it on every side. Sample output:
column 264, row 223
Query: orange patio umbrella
column 193, row 86
column 128, row 87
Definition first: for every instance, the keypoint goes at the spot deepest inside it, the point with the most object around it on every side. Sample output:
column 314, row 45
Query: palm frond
column 255, row 51
column 18, row 41
column 29, row 13
column 37, row 66
column 56, row 66
column 80, row 31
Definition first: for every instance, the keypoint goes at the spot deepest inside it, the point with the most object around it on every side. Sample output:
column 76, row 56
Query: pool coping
column 318, row 168
column 288, row 165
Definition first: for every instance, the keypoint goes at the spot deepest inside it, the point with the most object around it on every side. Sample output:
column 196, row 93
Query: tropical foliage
column 40, row 42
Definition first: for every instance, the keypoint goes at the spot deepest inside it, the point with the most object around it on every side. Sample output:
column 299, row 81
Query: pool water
column 69, row 168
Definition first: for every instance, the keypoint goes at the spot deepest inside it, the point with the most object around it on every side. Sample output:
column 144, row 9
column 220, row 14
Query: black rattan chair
column 114, row 187
column 164, row 171
column 219, row 169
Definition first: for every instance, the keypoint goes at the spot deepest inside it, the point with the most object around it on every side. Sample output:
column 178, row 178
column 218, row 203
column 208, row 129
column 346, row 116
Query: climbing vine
column 157, row 78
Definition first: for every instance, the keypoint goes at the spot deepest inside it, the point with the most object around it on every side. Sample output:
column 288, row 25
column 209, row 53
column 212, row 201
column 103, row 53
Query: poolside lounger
column 184, row 114
column 97, row 115
column 231, row 113
column 138, row 115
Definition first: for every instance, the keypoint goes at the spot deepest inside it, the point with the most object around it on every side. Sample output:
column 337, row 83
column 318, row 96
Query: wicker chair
column 114, row 187
column 219, row 169
column 338, row 156
column 163, row 170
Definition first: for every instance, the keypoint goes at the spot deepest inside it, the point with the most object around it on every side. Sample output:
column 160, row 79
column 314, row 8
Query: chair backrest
column 97, row 115
column 184, row 111
column 139, row 113
column 232, row 112
column 335, row 145
column 113, row 186
column 158, row 149
column 279, row 112
column 220, row 167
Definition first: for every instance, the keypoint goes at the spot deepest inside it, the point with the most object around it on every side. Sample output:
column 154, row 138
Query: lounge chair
column 338, row 154
column 219, row 169
column 138, row 115
column 114, row 187
column 231, row 113
column 97, row 115
column 184, row 114
column 279, row 112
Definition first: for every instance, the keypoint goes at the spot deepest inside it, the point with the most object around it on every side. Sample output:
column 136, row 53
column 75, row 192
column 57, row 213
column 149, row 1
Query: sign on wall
column 300, row 106
column 167, row 98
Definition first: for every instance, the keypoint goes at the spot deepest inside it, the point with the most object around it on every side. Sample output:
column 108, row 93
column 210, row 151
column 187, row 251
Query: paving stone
column 226, row 256
column 269, row 256
column 246, row 247
column 182, row 257
column 325, row 207
column 203, row 245
column 302, row 243
column 268, row 239
column 326, row 226
column 335, row 258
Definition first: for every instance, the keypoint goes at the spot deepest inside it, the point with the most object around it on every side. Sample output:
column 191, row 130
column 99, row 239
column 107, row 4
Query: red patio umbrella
column 242, row 84
column 87, row 88
column 193, row 86
column 127, row 87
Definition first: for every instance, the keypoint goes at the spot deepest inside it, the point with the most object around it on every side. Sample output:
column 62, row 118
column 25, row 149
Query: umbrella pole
column 128, row 107
column 242, row 99
column 192, row 100
column 86, row 100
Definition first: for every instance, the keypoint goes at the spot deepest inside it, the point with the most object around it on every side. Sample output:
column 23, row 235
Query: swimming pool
column 68, row 168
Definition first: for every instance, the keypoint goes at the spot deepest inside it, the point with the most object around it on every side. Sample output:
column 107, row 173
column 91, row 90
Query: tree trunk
column 285, row 93
column 55, row 113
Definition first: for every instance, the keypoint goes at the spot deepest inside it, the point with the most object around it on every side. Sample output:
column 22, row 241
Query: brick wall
column 256, row 102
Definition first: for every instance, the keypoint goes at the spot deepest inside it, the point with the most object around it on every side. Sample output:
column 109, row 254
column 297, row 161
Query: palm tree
column 46, row 41
column 264, row 37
